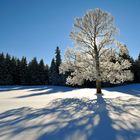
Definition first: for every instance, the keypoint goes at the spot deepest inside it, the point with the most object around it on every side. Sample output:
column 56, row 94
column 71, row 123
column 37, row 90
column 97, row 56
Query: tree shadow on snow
column 132, row 89
column 10, row 88
column 73, row 119
column 47, row 90
column 14, row 88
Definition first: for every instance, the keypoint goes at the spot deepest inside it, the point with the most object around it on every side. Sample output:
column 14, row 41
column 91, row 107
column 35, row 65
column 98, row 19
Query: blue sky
column 34, row 28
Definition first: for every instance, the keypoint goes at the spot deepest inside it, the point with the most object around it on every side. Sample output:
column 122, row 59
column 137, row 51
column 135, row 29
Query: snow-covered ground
column 63, row 113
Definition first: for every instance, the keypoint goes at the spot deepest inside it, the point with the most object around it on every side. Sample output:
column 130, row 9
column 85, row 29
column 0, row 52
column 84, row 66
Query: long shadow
column 72, row 119
column 132, row 89
column 98, row 124
column 36, row 90
column 10, row 88
column 47, row 90
column 104, row 130
column 14, row 88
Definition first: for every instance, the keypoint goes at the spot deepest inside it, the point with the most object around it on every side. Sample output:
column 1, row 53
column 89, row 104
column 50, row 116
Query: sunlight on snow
column 67, row 113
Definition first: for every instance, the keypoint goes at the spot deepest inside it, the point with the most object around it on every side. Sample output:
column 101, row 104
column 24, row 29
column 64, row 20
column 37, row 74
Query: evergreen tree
column 7, row 71
column 23, row 71
column 61, row 78
column 46, row 74
column 136, row 70
column 41, row 72
column 14, row 70
column 52, row 73
column 139, row 57
column 33, row 73
column 18, row 74
column 57, row 64
column 55, row 78
column 2, row 69
column 58, row 60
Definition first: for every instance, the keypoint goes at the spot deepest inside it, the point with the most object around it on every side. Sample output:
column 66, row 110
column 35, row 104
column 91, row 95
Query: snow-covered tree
column 93, row 57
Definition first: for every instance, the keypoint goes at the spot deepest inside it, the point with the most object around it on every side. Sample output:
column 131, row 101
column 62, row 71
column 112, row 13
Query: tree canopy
column 96, row 55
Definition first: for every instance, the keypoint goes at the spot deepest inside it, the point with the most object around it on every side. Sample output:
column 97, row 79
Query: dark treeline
column 14, row 71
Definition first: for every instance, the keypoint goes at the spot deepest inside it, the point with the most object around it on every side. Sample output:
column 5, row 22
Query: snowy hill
column 64, row 113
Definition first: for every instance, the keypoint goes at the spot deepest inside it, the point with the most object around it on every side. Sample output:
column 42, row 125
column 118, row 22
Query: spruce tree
column 60, row 80
column 58, row 60
column 8, row 72
column 18, row 70
column 2, row 69
column 14, row 69
column 33, row 72
column 46, row 74
column 52, row 73
column 136, row 70
column 41, row 72
column 23, row 71
column 55, row 78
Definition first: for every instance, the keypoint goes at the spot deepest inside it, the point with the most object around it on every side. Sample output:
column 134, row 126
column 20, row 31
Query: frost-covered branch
column 97, row 56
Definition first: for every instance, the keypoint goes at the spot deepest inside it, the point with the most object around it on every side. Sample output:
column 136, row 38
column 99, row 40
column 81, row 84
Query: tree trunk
column 98, row 87
column 98, row 75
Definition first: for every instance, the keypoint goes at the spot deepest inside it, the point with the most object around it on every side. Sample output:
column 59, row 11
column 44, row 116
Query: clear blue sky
column 35, row 27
